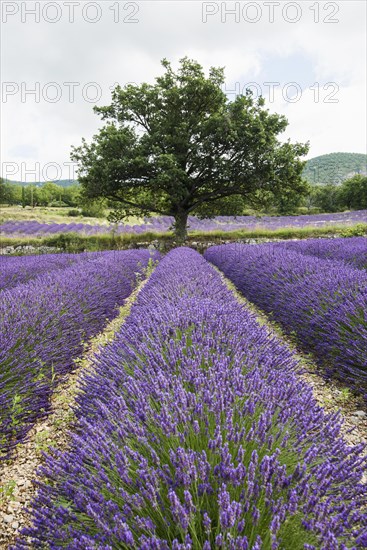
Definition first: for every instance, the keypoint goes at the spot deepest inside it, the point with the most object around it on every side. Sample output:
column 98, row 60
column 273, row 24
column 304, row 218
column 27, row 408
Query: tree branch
column 136, row 205
column 211, row 198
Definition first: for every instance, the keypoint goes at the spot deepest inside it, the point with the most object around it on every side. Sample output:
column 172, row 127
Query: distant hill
column 62, row 183
column 335, row 167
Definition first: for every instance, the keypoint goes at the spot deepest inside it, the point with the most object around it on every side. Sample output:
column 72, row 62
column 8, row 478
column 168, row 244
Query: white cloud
column 109, row 52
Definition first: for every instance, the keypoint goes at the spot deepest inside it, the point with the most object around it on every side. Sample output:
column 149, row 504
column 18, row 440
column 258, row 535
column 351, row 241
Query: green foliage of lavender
column 195, row 432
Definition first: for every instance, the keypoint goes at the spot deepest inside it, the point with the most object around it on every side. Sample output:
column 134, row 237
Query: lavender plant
column 15, row 270
column 195, row 432
column 323, row 302
column 44, row 326
column 352, row 251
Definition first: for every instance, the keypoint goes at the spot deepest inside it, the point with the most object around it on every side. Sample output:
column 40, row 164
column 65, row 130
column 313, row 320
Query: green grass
column 283, row 233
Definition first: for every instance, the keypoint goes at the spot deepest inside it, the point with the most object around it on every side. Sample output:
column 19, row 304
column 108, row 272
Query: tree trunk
column 180, row 226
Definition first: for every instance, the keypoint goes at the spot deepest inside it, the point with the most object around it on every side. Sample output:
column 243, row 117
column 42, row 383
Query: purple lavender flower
column 45, row 323
column 191, row 396
column 321, row 301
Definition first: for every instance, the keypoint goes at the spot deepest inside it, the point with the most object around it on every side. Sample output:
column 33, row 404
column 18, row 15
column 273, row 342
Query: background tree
column 353, row 193
column 5, row 192
column 49, row 192
column 71, row 195
column 326, row 197
column 175, row 146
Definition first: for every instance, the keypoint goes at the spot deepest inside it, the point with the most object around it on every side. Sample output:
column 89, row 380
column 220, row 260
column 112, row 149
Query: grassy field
column 44, row 214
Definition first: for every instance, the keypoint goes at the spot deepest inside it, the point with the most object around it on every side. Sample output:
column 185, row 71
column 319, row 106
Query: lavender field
column 194, row 428
column 183, row 275
column 352, row 251
column 46, row 319
column 163, row 223
column 315, row 289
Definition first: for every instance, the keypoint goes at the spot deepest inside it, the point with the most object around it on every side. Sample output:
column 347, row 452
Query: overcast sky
column 308, row 59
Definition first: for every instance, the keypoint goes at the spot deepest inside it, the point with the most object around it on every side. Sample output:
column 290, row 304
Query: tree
column 353, row 193
column 4, row 192
column 326, row 197
column 48, row 193
column 9, row 193
column 179, row 144
column 285, row 201
column 70, row 195
column 228, row 206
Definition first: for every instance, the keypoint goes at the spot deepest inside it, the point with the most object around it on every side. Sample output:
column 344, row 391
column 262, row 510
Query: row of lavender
column 322, row 301
column 352, row 251
column 194, row 431
column 44, row 326
column 15, row 270
column 163, row 224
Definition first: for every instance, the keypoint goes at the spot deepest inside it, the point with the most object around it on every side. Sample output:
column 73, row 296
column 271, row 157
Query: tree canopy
column 353, row 193
column 180, row 147
column 47, row 194
column 350, row 195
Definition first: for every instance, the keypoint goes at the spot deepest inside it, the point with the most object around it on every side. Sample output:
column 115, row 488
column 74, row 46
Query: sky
column 59, row 59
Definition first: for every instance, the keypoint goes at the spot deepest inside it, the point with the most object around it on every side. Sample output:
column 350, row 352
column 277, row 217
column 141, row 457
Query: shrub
column 74, row 212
